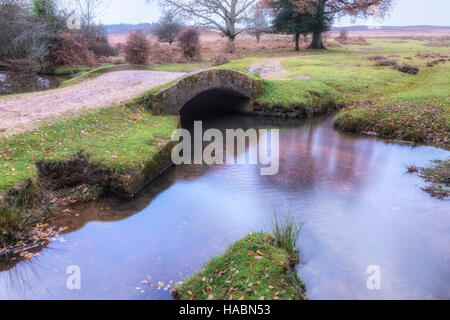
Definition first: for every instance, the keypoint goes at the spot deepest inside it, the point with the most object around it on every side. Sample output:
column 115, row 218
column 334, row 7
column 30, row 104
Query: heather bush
column 189, row 40
column 137, row 48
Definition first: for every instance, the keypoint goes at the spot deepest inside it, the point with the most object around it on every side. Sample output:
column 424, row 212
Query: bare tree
column 91, row 9
column 225, row 15
column 168, row 28
column 257, row 24
column 21, row 35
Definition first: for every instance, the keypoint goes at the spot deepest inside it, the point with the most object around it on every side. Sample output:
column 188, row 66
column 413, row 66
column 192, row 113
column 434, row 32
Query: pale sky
column 405, row 13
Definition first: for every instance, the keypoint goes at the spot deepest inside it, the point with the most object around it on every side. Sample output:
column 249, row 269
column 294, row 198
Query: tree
column 289, row 20
column 328, row 10
column 90, row 10
column 45, row 9
column 168, row 28
column 257, row 24
column 225, row 15
column 21, row 35
column 324, row 12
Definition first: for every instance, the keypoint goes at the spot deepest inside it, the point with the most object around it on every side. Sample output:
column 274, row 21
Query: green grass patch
column 180, row 67
column 115, row 138
column 291, row 93
column 252, row 269
column 438, row 176
column 90, row 73
column 418, row 123
column 68, row 71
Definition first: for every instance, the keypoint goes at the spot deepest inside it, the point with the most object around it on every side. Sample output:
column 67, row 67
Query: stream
column 359, row 206
column 18, row 82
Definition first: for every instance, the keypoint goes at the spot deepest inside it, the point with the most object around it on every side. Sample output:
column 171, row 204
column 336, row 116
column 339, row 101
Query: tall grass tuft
column 286, row 230
column 14, row 220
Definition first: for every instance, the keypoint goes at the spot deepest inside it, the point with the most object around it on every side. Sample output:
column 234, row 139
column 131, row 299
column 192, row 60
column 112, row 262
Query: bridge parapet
column 171, row 99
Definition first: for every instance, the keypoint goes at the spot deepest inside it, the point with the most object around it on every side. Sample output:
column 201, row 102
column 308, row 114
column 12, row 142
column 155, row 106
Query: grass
column 407, row 121
column 91, row 72
column 438, row 176
column 252, row 269
column 291, row 94
column 116, row 138
column 287, row 232
column 381, row 100
column 67, row 71
column 180, row 67
column 15, row 220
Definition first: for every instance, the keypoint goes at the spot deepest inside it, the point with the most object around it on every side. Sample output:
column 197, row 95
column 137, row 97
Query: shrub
column 219, row 60
column 97, row 40
column 71, row 49
column 386, row 63
column 137, row 48
column 343, row 37
column 407, row 68
column 168, row 28
column 189, row 40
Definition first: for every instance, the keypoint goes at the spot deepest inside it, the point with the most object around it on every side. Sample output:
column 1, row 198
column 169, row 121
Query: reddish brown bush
column 97, row 39
column 71, row 49
column 137, row 48
column 189, row 40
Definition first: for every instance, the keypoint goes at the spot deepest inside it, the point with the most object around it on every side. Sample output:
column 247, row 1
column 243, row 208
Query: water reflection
column 359, row 206
column 16, row 82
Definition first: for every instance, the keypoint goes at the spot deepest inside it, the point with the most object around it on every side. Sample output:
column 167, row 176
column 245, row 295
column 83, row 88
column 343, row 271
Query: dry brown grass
column 212, row 45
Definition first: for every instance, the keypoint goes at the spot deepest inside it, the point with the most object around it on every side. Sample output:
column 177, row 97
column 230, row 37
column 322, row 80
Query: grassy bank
column 298, row 99
column 115, row 138
column 438, row 176
column 383, row 101
column 119, row 146
column 252, row 269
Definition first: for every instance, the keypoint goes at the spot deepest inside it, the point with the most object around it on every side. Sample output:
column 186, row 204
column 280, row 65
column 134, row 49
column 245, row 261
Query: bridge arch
column 198, row 86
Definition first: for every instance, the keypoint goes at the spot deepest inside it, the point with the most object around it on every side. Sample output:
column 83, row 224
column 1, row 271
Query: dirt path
column 272, row 68
column 24, row 112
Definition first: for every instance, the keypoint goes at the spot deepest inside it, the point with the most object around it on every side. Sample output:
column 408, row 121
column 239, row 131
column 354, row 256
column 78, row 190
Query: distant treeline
column 127, row 28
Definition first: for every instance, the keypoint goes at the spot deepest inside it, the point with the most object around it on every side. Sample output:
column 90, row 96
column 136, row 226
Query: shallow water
column 359, row 206
column 15, row 82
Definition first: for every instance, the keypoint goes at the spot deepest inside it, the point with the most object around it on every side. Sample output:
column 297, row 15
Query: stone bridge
column 216, row 87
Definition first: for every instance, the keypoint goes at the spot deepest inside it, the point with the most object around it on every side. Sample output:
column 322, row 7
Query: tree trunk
column 231, row 46
column 297, row 42
column 317, row 42
column 258, row 37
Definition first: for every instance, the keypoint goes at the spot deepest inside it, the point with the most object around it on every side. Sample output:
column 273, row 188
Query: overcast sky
column 405, row 13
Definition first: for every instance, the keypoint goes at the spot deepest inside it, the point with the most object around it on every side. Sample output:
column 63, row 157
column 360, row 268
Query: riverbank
column 438, row 177
column 112, row 150
column 252, row 269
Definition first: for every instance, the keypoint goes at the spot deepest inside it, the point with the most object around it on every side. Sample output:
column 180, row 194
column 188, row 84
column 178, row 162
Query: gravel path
column 272, row 68
column 25, row 112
